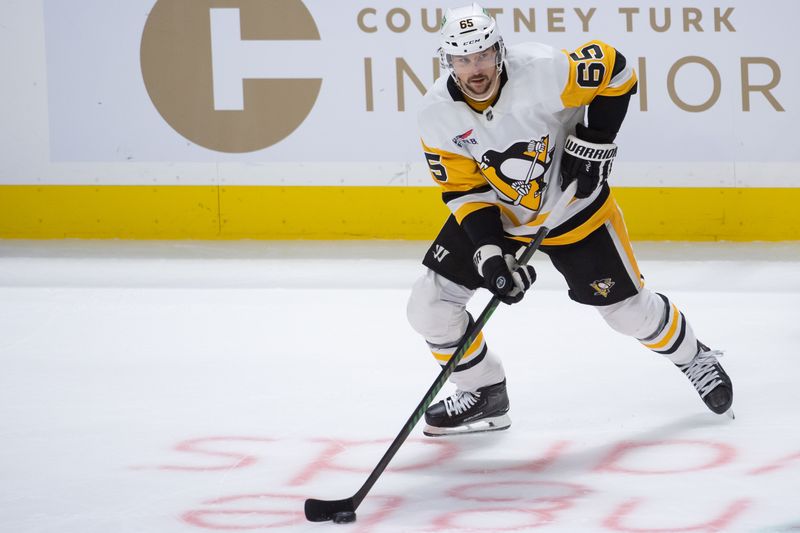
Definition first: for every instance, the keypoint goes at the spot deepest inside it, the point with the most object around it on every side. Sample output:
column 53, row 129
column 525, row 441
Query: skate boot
column 469, row 412
column 710, row 380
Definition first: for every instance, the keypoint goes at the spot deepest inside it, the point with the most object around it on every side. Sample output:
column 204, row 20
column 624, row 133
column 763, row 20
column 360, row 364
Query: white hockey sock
column 487, row 372
column 674, row 338
column 655, row 322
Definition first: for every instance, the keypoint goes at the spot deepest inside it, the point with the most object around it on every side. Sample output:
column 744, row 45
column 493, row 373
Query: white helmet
column 467, row 30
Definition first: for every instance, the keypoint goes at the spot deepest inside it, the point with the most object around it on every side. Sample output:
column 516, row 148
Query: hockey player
column 503, row 135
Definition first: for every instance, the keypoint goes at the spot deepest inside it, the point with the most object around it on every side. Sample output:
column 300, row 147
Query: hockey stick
column 344, row 510
column 532, row 144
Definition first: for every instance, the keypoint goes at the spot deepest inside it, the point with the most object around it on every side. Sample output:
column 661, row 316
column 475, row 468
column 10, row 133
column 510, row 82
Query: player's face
column 476, row 72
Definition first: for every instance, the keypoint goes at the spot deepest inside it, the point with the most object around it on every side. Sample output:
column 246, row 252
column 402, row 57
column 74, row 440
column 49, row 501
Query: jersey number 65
column 590, row 72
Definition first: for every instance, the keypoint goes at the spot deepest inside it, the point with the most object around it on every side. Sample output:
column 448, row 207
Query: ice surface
column 179, row 387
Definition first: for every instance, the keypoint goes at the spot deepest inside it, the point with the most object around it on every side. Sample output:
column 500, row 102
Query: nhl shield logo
column 602, row 287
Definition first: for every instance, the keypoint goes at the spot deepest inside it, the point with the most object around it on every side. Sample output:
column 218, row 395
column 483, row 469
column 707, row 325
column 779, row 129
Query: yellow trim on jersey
column 462, row 173
column 622, row 233
column 542, row 217
column 582, row 86
column 509, row 214
column 599, row 218
column 622, row 89
column 539, row 220
column 469, row 208
column 479, row 106
column 668, row 337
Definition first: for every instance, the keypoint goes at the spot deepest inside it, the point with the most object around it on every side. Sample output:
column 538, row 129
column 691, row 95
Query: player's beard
column 473, row 83
column 477, row 82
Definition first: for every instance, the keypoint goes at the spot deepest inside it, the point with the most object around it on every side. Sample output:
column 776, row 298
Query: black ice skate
column 710, row 380
column 469, row 412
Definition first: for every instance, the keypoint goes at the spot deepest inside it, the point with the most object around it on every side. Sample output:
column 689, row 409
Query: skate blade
column 729, row 414
column 497, row 423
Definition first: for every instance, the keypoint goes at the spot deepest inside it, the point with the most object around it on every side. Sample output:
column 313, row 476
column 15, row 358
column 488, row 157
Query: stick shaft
column 441, row 379
column 317, row 510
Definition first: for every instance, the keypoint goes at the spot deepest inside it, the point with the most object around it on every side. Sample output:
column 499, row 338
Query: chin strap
column 491, row 93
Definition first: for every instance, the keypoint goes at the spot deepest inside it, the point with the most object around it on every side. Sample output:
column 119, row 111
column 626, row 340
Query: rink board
column 257, row 212
column 179, row 119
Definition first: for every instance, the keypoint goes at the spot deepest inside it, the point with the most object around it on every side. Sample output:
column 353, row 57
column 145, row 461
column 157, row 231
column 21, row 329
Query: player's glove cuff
column 587, row 162
column 502, row 274
column 483, row 254
column 590, row 151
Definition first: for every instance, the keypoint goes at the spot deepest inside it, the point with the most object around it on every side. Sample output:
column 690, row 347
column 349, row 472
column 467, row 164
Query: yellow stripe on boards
column 710, row 214
column 103, row 212
column 331, row 212
column 256, row 212
column 211, row 212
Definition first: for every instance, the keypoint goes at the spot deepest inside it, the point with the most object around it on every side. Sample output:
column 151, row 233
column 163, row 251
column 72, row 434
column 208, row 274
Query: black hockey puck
column 344, row 517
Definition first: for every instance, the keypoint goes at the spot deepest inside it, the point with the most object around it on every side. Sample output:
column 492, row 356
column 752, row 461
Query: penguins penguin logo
column 518, row 173
column 602, row 287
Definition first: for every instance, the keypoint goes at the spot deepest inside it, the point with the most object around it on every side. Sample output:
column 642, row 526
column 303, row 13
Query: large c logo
column 176, row 60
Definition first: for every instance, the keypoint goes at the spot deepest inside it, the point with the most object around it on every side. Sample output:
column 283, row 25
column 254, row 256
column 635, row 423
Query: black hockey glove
column 502, row 274
column 588, row 156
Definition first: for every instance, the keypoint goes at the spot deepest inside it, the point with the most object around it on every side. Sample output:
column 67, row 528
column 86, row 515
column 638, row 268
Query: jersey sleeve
column 464, row 189
column 596, row 69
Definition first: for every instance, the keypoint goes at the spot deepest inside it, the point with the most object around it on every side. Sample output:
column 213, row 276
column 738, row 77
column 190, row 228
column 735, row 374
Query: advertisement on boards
column 313, row 92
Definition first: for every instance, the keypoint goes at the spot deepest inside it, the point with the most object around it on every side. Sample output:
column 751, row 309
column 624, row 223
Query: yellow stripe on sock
column 663, row 342
column 473, row 350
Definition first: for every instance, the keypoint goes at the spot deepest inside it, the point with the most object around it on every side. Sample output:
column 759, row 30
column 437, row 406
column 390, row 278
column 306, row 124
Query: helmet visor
column 464, row 64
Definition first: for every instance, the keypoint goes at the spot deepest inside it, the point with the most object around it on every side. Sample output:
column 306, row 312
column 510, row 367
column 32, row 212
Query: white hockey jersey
column 509, row 155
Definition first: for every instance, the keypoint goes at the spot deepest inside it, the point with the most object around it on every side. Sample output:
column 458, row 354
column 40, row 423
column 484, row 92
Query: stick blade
column 323, row 510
